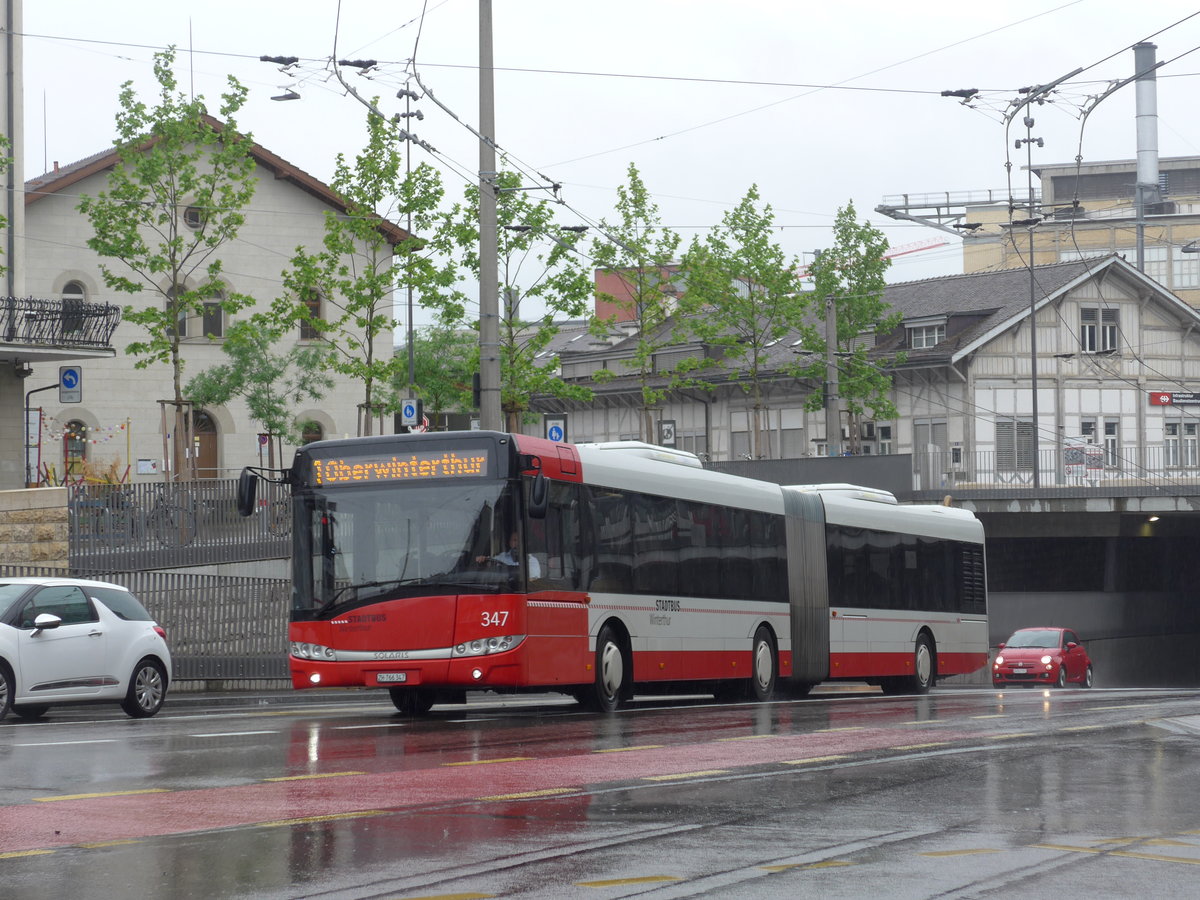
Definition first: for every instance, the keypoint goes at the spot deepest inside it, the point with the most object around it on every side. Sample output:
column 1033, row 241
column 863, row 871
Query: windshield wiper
column 393, row 582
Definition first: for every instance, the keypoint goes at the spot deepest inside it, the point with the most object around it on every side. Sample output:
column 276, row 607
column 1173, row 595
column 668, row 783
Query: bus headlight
column 304, row 650
column 484, row 646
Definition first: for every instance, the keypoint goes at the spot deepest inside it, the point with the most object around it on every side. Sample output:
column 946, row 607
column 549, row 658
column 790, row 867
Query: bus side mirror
column 247, row 491
column 539, row 496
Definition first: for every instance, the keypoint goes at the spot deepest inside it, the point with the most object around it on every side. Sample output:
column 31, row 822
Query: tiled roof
column 72, row 173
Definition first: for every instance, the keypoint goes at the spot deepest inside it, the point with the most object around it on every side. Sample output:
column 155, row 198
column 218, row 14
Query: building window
column 312, row 303
column 312, row 432
column 1098, row 329
column 1157, row 264
column 1105, row 433
column 194, row 218
column 75, row 448
column 1185, row 269
column 214, row 317
column 1016, row 446
column 885, row 439
column 925, row 337
column 73, row 297
column 1180, row 446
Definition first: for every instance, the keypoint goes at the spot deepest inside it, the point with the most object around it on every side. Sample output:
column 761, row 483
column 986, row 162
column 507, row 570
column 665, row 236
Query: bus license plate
column 391, row 677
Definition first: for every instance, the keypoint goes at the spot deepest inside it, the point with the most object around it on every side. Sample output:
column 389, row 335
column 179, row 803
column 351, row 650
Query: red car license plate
column 1020, row 671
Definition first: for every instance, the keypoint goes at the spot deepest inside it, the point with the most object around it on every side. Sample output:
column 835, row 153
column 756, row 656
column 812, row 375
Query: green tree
column 749, row 295
column 641, row 252
column 342, row 295
column 541, row 282
column 174, row 200
column 444, row 359
column 271, row 383
column 850, row 274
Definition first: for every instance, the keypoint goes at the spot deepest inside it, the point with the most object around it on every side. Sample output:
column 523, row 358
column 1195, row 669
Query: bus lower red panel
column 883, row 665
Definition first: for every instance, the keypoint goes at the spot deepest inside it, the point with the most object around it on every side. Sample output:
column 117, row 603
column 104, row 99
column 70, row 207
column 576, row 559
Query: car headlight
column 999, row 660
column 305, row 650
column 1047, row 659
column 484, row 646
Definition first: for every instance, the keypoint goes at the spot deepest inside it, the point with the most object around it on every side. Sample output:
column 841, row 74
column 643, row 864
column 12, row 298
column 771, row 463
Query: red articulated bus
column 434, row 564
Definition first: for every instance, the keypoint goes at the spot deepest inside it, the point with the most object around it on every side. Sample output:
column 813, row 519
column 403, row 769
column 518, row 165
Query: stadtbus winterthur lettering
column 406, row 467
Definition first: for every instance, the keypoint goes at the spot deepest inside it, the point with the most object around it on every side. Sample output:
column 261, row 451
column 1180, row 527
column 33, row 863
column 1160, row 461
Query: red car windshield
column 1035, row 638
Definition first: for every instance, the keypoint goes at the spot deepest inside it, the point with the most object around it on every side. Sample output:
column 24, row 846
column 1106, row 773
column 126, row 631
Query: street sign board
column 410, row 413
column 556, row 428
column 70, row 384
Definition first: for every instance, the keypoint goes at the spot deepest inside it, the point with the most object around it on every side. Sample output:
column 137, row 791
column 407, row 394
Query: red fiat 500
column 1049, row 656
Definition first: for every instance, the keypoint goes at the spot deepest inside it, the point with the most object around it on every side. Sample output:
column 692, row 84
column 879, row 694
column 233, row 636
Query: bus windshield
column 357, row 544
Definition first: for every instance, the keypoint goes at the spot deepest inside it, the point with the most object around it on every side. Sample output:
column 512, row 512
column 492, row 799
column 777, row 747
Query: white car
column 69, row 641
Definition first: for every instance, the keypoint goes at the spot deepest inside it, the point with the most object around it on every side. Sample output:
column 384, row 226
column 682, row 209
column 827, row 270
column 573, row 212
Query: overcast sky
column 816, row 103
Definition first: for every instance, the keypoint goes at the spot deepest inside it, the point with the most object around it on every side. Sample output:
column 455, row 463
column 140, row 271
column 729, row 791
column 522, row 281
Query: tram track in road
column 499, row 778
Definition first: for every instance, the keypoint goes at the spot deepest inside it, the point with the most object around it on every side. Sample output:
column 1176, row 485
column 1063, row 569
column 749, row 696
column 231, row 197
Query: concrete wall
column 33, row 527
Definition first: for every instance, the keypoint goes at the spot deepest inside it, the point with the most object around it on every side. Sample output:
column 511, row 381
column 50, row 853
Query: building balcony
column 32, row 329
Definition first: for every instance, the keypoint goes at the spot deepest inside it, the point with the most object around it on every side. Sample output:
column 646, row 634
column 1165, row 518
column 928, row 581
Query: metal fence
column 218, row 627
column 61, row 323
column 160, row 525
column 1092, row 466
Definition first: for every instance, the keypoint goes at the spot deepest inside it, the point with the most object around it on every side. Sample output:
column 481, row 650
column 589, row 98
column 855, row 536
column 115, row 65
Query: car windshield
column 359, row 543
column 1034, row 638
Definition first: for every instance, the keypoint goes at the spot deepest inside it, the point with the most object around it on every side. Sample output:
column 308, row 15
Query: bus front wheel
column 411, row 701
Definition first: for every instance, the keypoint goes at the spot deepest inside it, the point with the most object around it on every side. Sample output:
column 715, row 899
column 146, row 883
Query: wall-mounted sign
column 1173, row 398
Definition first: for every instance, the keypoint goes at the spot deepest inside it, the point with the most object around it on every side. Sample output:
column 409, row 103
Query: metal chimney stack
column 1146, row 190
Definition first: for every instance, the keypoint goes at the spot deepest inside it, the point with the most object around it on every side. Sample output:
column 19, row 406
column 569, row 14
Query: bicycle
column 172, row 524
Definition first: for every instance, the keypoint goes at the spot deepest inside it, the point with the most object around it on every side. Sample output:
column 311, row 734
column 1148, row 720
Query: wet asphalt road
column 962, row 793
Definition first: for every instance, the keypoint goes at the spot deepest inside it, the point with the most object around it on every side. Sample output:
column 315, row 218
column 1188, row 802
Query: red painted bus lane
column 55, row 823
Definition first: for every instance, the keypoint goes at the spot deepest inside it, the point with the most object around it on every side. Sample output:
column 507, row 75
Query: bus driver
column 510, row 557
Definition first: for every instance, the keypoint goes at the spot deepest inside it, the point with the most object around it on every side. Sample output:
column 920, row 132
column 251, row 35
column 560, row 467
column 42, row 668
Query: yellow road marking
column 941, row 853
column 829, row 864
column 106, row 794
column 16, row 854
column 1131, row 854
column 98, row 844
column 307, row 777
column 454, row 897
column 1123, row 706
column 623, row 749
column 685, row 775
column 616, row 882
column 812, row 759
column 849, row 728
column 991, row 716
column 333, row 817
column 485, row 762
column 748, row 737
column 528, row 795
column 1009, row 737
column 1083, row 727
column 919, row 746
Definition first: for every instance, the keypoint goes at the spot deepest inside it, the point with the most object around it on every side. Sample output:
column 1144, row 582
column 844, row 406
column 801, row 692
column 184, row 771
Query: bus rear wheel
column 762, row 680
column 612, row 673
column 411, row 701
column 922, row 678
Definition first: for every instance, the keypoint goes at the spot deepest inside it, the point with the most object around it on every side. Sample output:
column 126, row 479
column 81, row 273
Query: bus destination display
column 412, row 466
